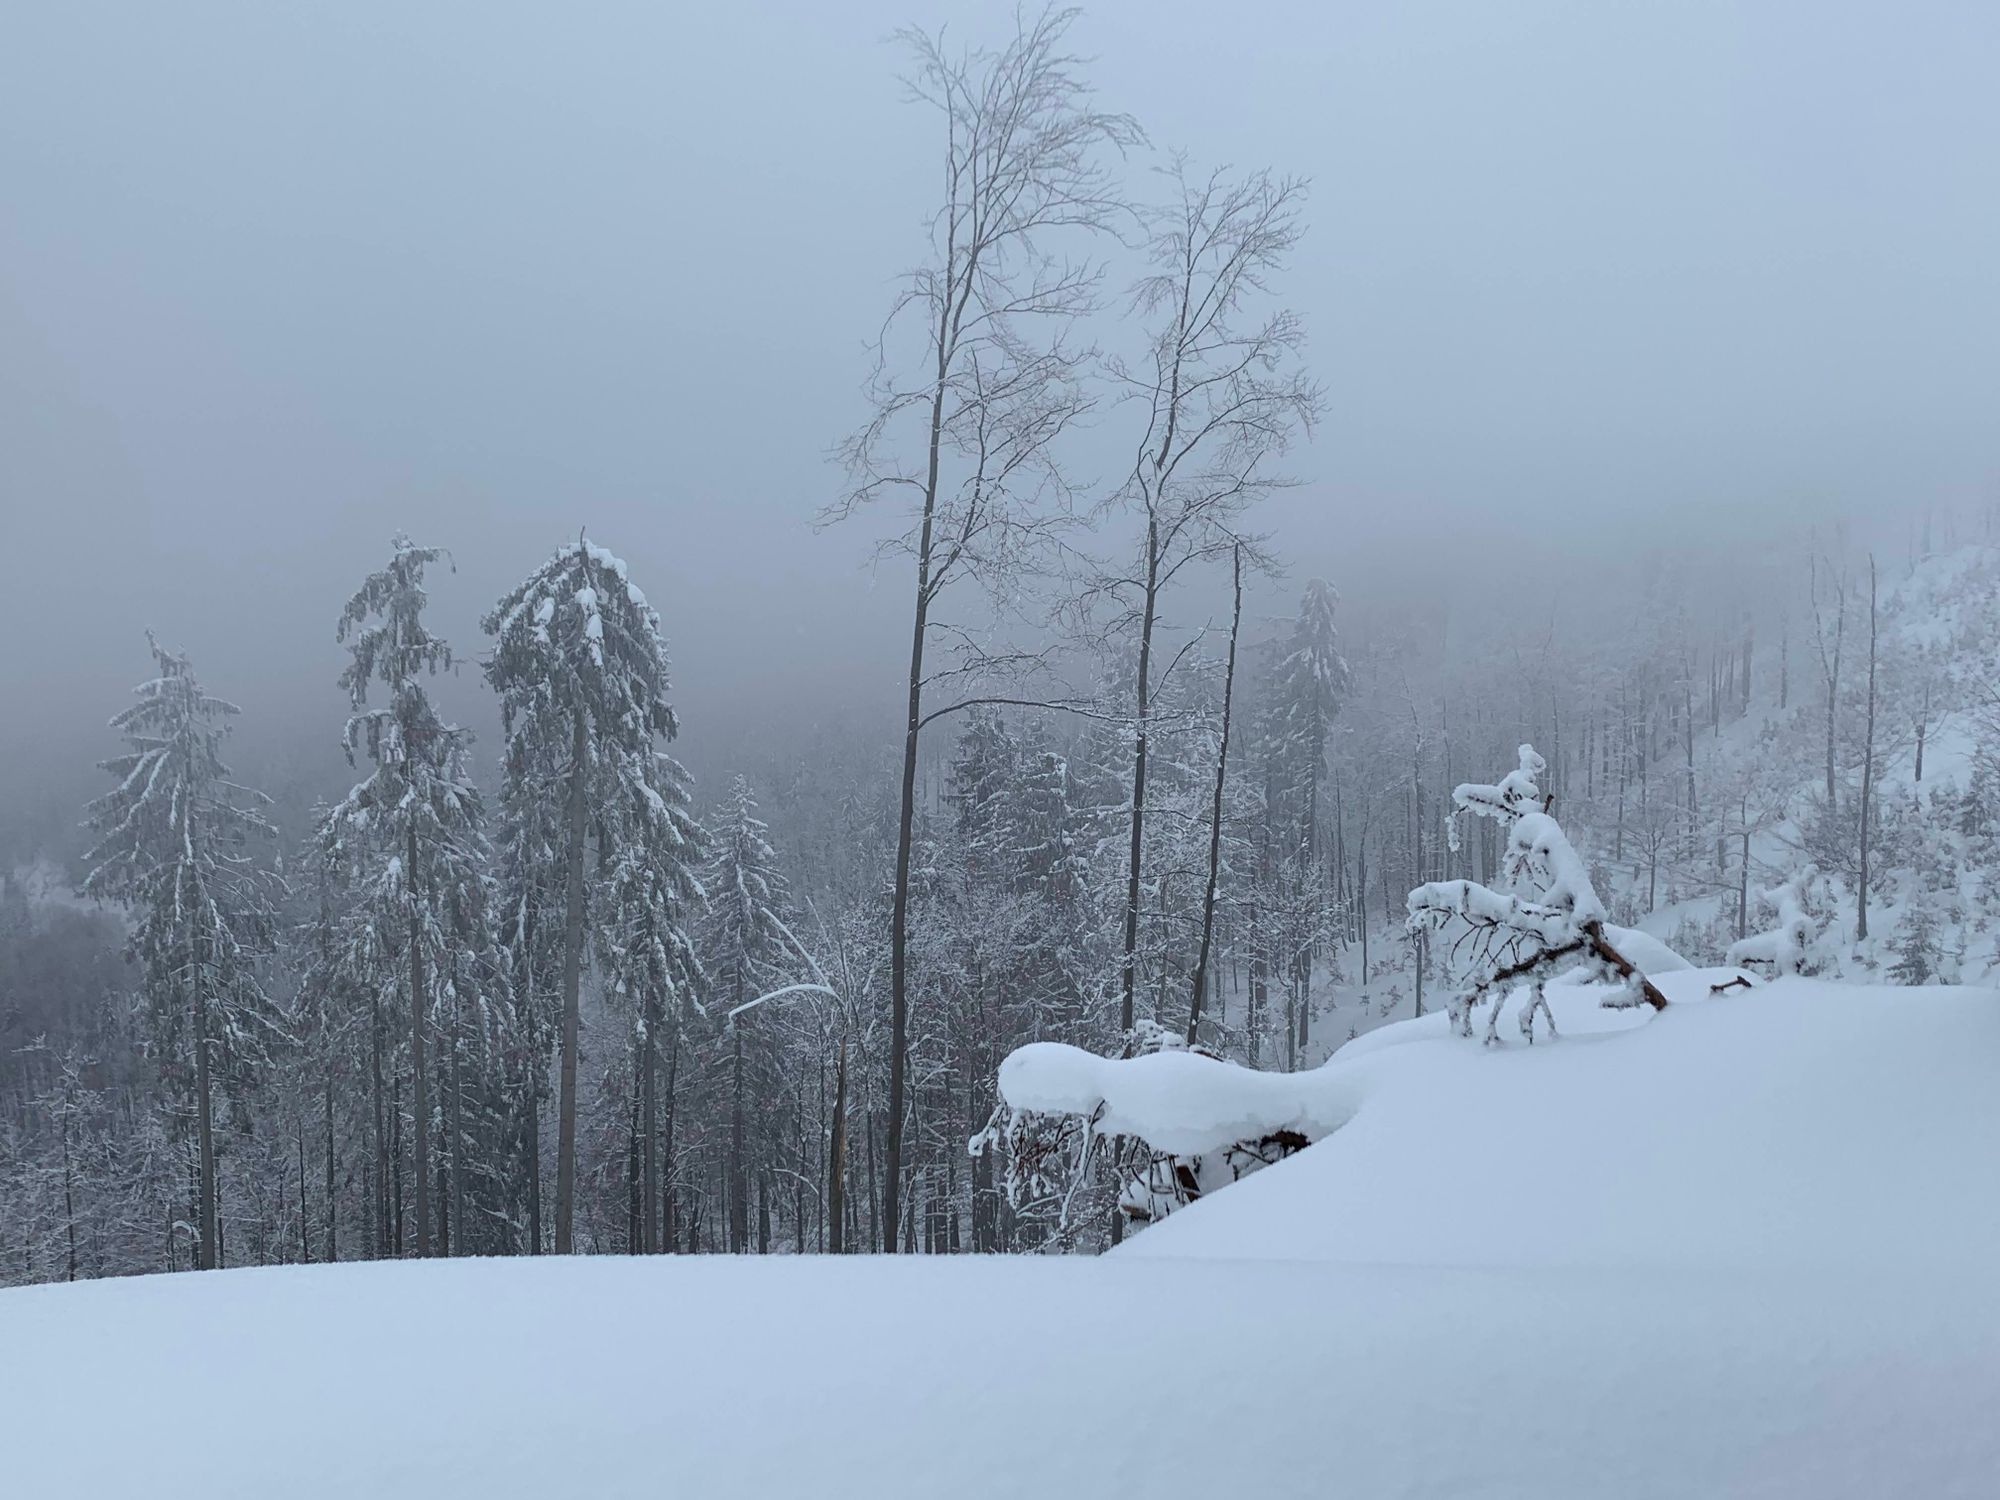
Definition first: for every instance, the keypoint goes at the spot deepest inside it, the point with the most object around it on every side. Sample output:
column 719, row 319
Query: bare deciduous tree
column 977, row 380
column 1223, row 394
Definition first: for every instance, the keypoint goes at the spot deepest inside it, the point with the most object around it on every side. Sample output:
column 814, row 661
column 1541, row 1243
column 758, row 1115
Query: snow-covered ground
column 1740, row 1249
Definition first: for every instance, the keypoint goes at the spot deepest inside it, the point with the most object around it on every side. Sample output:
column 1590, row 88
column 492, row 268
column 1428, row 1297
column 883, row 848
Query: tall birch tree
column 977, row 380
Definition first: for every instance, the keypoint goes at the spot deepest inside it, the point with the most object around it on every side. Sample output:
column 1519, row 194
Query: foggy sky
column 277, row 281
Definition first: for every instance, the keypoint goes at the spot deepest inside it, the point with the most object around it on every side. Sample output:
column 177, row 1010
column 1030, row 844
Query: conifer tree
column 174, row 839
column 746, row 941
column 650, row 956
column 1310, row 685
column 1916, row 946
column 408, row 841
column 582, row 675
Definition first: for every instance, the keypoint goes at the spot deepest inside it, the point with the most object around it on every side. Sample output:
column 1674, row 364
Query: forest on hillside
column 547, row 994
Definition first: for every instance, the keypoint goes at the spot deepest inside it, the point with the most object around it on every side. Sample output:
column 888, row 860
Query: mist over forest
column 686, row 635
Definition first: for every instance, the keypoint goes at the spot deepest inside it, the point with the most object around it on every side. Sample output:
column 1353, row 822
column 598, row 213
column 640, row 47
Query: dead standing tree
column 976, row 381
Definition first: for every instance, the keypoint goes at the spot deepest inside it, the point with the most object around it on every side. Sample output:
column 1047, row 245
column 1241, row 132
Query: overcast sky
column 276, row 280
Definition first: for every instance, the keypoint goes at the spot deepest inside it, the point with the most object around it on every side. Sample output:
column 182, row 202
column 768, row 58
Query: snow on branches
column 1785, row 948
column 1545, row 919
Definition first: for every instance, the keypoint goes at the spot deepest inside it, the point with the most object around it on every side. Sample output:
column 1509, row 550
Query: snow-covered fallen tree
column 1179, row 1122
column 1544, row 919
column 1787, row 947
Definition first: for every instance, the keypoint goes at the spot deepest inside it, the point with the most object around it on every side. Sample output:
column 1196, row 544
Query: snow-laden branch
column 1547, row 918
column 779, row 994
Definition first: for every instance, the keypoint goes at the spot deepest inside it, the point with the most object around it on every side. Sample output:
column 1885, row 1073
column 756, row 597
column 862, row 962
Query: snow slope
column 1802, row 1123
column 1739, row 1250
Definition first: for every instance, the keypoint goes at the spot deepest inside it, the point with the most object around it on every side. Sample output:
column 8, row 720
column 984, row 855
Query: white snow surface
column 1741, row 1248
column 1798, row 1124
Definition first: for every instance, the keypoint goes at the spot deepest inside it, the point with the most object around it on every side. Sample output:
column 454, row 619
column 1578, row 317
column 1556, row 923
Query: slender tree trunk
column 899, row 914
column 739, row 1206
column 396, row 1163
column 1867, row 764
column 381, row 1194
column 456, row 1115
column 1215, row 810
column 205, row 1124
column 305, row 1244
column 420, row 1107
column 572, row 983
column 1687, row 731
column 668, row 1196
column 69, row 1194
column 1361, row 893
column 332, row 1215
column 1743, row 880
column 531, row 1102
column 1622, row 740
column 1923, row 726
column 875, row 1222
column 649, row 1156
column 1130, row 965
column 1421, row 949
column 836, row 1165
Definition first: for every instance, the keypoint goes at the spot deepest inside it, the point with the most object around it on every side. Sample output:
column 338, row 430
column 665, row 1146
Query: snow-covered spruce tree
column 1309, row 686
column 1916, row 945
column 408, row 844
column 748, row 952
column 174, row 842
column 1544, row 918
column 582, row 675
column 649, row 957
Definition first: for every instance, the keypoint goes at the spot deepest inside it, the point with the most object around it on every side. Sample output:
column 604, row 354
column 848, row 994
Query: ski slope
column 1739, row 1250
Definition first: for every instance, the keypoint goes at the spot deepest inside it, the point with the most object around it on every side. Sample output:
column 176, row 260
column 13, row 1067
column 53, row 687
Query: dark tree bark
column 1215, row 809
column 211, row 1238
column 381, row 1193
column 1149, row 614
column 739, row 1205
column 836, row 1167
column 1867, row 764
column 332, row 1206
column 420, row 1108
column 572, row 983
column 649, row 1156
